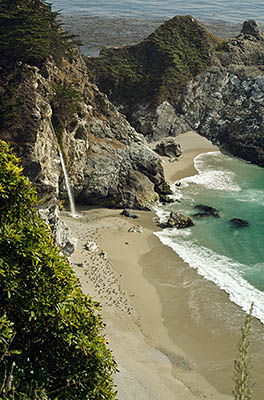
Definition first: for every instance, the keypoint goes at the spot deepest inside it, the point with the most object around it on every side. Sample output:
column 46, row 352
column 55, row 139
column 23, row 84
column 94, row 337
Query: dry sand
column 167, row 342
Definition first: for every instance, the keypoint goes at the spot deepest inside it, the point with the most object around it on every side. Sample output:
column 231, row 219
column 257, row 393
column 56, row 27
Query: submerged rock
column 239, row 223
column 207, row 211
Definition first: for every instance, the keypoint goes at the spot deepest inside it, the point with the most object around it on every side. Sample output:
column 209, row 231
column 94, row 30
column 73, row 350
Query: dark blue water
column 226, row 10
column 233, row 258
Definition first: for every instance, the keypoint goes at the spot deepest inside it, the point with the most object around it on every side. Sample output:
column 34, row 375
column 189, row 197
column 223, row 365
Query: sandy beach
column 173, row 333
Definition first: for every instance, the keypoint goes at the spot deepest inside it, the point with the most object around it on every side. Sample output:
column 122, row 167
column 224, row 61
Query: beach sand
column 173, row 333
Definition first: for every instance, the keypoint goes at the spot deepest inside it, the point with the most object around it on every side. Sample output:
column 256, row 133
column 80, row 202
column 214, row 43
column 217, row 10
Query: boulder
column 206, row 211
column 164, row 199
column 168, row 147
column 178, row 220
column 136, row 229
column 128, row 213
column 239, row 223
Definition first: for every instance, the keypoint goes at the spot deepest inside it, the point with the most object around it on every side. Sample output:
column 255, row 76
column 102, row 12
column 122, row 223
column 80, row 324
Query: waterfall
column 67, row 183
column 72, row 205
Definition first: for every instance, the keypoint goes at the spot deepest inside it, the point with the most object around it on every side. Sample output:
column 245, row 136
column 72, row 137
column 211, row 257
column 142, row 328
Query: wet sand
column 174, row 334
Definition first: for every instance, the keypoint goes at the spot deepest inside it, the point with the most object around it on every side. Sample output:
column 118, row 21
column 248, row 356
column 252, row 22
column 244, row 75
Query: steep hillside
column 158, row 68
column 182, row 77
column 108, row 162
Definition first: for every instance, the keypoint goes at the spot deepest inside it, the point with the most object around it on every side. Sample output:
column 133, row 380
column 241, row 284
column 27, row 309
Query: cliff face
column 222, row 99
column 108, row 162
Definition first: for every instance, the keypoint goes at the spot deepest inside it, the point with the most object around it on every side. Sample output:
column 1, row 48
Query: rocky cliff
column 108, row 162
column 203, row 83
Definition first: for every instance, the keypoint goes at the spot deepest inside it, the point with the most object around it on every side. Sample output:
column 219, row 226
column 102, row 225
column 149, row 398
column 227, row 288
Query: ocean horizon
column 225, row 10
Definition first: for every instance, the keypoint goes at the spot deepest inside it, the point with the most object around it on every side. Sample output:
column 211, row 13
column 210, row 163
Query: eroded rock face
column 222, row 100
column 224, row 103
column 108, row 162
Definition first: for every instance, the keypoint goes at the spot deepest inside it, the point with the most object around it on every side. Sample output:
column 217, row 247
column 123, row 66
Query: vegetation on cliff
column 158, row 68
column 51, row 340
column 29, row 33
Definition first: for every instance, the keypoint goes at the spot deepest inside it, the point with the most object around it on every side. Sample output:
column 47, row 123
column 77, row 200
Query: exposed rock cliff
column 218, row 92
column 108, row 162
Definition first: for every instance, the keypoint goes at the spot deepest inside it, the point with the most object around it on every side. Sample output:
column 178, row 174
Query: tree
column 51, row 335
column 243, row 363
column 29, row 33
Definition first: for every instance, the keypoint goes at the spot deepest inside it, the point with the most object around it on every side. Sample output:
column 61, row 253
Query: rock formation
column 206, row 211
column 168, row 147
column 177, row 220
column 108, row 162
column 218, row 91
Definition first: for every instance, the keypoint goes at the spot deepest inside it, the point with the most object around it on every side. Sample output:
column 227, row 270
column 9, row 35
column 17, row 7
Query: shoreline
column 162, row 350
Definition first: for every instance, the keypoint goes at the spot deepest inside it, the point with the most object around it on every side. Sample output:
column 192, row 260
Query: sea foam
column 221, row 270
column 211, row 174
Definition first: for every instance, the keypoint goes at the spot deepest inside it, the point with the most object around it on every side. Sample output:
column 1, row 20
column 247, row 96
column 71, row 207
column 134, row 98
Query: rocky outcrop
column 108, row 162
column 168, row 147
column 222, row 99
column 177, row 220
column 61, row 233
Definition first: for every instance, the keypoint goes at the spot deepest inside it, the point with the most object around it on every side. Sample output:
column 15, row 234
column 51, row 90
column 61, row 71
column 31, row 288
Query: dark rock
column 202, row 215
column 251, row 27
column 239, row 223
column 208, row 211
column 168, row 147
column 128, row 213
column 177, row 220
column 164, row 199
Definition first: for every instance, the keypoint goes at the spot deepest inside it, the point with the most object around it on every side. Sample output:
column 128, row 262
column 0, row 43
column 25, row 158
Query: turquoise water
column 228, row 10
column 233, row 258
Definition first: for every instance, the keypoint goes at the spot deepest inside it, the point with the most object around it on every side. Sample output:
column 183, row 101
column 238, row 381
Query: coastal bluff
column 182, row 77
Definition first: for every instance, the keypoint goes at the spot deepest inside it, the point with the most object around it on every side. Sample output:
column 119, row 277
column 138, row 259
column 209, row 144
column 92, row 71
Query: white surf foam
column 219, row 269
column 211, row 176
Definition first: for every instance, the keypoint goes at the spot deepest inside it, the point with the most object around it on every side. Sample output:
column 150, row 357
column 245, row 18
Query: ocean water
column 232, row 258
column 228, row 10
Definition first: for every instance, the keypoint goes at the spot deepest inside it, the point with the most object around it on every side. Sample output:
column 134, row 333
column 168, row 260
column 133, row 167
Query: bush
column 51, row 340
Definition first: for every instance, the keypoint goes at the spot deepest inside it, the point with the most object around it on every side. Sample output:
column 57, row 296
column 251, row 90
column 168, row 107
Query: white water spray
column 67, row 183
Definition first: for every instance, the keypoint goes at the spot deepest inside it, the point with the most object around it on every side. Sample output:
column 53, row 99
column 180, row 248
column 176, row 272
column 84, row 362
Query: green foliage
column 65, row 103
column 51, row 334
column 243, row 363
column 223, row 46
column 29, row 33
column 158, row 68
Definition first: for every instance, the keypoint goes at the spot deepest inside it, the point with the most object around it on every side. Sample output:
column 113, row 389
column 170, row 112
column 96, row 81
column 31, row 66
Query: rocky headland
column 187, row 78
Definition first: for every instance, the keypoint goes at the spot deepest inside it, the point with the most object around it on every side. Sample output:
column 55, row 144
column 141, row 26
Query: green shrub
column 65, row 103
column 51, row 334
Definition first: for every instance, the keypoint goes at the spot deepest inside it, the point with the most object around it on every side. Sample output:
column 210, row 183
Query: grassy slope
column 158, row 68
